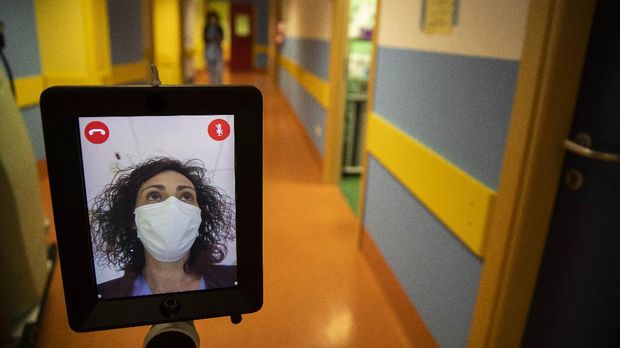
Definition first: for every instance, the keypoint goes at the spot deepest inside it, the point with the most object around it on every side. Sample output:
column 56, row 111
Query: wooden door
column 577, row 298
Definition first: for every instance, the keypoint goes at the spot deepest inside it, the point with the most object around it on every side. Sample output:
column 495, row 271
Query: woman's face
column 165, row 185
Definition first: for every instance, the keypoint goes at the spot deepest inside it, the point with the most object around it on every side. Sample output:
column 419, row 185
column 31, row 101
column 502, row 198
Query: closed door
column 242, row 36
column 577, row 297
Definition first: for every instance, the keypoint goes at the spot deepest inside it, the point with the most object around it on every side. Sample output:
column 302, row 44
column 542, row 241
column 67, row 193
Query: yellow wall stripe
column 461, row 202
column 314, row 85
column 28, row 90
column 258, row 49
column 130, row 72
column 71, row 78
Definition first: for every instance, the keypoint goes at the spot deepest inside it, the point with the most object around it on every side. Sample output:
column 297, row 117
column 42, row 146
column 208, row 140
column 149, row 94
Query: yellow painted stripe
column 314, row 85
column 271, row 53
column 28, row 90
column 77, row 78
column 461, row 202
column 130, row 72
column 258, row 49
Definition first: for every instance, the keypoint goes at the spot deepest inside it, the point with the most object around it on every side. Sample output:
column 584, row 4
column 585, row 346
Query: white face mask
column 168, row 229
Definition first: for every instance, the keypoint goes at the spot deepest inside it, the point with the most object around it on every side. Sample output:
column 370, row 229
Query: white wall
column 309, row 19
column 487, row 28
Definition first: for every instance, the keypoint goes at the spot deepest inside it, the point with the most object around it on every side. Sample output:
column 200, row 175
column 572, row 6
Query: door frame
column 273, row 52
column 148, row 30
column 334, row 127
column 546, row 93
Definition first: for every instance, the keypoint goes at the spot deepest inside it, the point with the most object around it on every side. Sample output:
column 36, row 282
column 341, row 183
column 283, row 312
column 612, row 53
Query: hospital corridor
column 435, row 173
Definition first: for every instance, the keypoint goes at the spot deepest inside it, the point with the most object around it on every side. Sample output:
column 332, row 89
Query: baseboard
column 410, row 319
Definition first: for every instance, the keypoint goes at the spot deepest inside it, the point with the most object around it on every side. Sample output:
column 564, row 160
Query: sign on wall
column 439, row 16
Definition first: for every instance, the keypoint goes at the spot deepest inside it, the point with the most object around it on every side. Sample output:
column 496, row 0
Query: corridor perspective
column 436, row 173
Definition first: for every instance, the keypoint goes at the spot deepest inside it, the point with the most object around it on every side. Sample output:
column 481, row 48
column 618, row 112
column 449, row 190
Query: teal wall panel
column 32, row 118
column 313, row 56
column 125, row 23
column 310, row 54
column 439, row 274
column 308, row 110
column 460, row 106
column 20, row 31
column 261, row 60
column 22, row 53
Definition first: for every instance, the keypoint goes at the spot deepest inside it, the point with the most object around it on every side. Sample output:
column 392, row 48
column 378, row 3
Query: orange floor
column 319, row 290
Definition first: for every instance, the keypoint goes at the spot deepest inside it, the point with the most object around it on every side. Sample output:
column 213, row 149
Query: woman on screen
column 165, row 227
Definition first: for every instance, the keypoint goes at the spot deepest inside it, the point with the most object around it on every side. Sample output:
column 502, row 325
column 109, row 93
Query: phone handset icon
column 97, row 130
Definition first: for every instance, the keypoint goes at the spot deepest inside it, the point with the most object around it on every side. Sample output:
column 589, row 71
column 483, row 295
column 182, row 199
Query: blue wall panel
column 261, row 60
column 32, row 119
column 310, row 54
column 262, row 36
column 308, row 110
column 20, row 31
column 262, row 11
column 460, row 106
column 125, row 22
column 22, row 52
column 436, row 270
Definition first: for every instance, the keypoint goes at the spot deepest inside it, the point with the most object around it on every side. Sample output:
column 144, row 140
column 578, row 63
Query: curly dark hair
column 112, row 219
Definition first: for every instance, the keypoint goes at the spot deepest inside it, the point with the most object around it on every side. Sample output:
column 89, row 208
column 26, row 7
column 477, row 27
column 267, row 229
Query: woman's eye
column 153, row 196
column 187, row 197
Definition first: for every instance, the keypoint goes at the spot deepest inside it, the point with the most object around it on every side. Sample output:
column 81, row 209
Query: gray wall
column 435, row 269
column 125, row 23
column 22, row 52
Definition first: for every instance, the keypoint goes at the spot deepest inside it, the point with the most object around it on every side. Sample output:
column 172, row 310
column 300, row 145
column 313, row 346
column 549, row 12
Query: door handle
column 589, row 153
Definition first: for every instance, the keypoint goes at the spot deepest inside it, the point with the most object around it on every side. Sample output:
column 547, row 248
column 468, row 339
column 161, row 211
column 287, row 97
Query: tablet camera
column 156, row 103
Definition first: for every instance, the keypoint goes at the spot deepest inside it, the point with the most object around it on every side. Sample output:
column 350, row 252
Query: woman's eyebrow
column 159, row 187
column 183, row 187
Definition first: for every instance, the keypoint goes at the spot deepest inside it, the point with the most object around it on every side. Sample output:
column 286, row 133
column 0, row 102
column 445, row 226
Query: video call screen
column 160, row 193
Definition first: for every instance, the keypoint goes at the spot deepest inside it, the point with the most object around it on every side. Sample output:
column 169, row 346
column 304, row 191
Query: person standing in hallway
column 213, row 36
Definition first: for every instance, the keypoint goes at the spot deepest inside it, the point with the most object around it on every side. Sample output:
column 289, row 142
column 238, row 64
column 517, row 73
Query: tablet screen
column 160, row 193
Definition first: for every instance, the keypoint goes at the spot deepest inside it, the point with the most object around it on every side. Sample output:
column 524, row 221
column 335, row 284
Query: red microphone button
column 219, row 130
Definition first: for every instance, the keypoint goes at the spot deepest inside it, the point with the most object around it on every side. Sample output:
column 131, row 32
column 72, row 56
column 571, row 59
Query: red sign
column 219, row 130
column 96, row 132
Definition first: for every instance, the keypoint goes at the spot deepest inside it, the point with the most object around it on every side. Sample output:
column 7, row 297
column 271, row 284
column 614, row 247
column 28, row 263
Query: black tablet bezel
column 60, row 109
